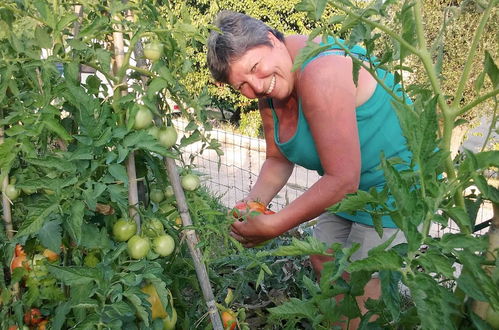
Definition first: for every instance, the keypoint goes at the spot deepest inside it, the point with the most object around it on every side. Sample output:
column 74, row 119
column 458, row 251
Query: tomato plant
column 156, row 195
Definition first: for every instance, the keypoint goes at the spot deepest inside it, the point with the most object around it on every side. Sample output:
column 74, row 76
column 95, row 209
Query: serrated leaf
column 31, row 225
column 310, row 246
column 295, row 307
column 59, row 318
column 42, row 37
column 137, row 303
column 155, row 86
column 313, row 8
column 491, row 69
column 75, row 220
column 74, row 275
column 51, row 162
column 50, row 235
column 461, row 217
column 118, row 172
column 383, row 260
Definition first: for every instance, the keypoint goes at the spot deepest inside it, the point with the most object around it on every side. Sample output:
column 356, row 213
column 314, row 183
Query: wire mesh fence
column 231, row 176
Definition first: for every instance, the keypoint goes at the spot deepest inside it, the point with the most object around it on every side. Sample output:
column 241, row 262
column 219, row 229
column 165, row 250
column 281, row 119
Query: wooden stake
column 192, row 242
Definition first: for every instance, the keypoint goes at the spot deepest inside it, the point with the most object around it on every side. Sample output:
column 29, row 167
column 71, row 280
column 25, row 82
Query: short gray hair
column 239, row 33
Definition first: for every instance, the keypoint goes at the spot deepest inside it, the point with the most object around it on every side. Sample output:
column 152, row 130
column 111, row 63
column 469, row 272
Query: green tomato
column 38, row 265
column 153, row 227
column 156, row 195
column 163, row 245
column 167, row 136
column 153, row 50
column 12, row 192
column 169, row 192
column 143, row 118
column 170, row 320
column 124, row 229
column 154, row 131
column 138, row 247
column 492, row 318
column 91, row 260
column 190, row 182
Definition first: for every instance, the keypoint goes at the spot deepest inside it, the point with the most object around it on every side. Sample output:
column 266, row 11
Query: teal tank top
column 379, row 131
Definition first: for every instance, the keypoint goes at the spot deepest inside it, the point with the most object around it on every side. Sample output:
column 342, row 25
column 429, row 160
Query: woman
column 316, row 117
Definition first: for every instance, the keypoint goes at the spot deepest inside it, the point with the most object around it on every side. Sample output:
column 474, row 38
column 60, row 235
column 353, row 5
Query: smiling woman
column 316, row 117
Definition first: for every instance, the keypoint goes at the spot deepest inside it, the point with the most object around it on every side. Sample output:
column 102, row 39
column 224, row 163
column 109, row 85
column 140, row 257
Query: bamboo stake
column 6, row 210
column 192, row 242
column 133, row 196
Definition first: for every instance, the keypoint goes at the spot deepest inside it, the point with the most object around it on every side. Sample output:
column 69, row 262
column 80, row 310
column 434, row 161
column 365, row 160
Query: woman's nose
column 257, row 85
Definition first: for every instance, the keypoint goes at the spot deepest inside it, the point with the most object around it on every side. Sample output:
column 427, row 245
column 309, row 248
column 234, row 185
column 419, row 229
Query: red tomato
column 19, row 261
column 229, row 319
column 19, row 251
column 33, row 316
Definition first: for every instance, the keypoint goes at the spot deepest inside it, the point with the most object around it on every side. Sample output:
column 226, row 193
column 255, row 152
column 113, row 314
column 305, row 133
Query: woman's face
column 263, row 71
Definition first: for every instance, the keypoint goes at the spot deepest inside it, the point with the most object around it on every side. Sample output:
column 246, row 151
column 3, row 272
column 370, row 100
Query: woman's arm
column 276, row 169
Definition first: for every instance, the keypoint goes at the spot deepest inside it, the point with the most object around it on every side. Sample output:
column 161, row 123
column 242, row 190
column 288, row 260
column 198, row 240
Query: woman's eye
column 253, row 69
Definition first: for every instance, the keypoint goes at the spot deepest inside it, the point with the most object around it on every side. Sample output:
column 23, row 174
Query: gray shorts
column 331, row 228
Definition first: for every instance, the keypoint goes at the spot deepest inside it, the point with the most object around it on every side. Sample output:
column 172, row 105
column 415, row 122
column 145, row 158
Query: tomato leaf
column 74, row 275
column 75, row 220
column 50, row 235
column 32, row 223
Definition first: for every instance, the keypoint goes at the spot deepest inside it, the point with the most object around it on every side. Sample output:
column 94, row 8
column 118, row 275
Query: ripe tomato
column 124, row 229
column 19, row 251
column 143, row 118
column 229, row 319
column 163, row 245
column 153, row 50
column 33, row 316
column 19, row 261
column 170, row 321
column 243, row 208
column 42, row 325
column 157, row 309
column 50, row 255
column 190, row 182
column 167, row 136
column 156, row 195
column 138, row 247
column 12, row 192
column 153, row 227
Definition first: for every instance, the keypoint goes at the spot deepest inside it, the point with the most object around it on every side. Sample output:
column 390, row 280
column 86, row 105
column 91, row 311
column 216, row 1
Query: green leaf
column 31, row 225
column 137, row 303
column 460, row 216
column 61, row 311
column 311, row 50
column 50, row 235
column 156, row 85
column 450, row 242
column 383, row 260
column 42, row 37
column 435, row 262
column 313, row 8
column 118, row 172
column 51, row 162
column 8, row 152
column 390, row 291
column 436, row 305
column 73, row 275
column 491, row 68
column 295, row 307
column 93, row 238
column 310, row 246
column 75, row 220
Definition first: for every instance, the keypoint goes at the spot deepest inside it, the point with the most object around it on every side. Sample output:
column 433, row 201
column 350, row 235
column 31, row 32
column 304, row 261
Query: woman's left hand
column 255, row 230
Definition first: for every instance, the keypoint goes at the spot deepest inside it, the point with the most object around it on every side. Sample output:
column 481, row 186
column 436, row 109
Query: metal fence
column 231, row 176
